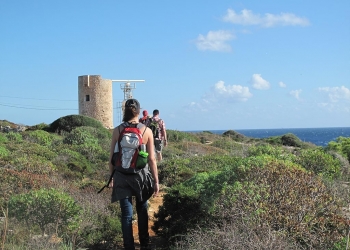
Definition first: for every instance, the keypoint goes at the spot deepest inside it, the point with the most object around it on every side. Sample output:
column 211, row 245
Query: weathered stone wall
column 99, row 104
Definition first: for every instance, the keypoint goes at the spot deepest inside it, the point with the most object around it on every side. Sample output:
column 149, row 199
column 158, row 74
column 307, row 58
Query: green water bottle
column 142, row 159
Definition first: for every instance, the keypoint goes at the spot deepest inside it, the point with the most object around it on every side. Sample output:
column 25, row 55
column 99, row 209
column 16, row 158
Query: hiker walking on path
column 146, row 120
column 159, row 133
column 129, row 177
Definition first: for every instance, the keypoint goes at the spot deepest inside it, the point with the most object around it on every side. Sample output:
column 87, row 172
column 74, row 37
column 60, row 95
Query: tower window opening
column 87, row 98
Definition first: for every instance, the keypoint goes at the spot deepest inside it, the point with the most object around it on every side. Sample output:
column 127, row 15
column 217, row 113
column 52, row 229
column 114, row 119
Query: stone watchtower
column 95, row 98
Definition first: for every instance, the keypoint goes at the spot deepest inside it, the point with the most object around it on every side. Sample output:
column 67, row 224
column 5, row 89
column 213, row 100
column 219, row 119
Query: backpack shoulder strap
column 140, row 125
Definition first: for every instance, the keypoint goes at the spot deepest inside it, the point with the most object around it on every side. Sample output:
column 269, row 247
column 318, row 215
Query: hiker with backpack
column 134, row 173
column 159, row 134
column 145, row 119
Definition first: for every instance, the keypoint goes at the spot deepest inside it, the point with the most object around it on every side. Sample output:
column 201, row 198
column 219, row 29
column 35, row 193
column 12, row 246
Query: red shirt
column 145, row 120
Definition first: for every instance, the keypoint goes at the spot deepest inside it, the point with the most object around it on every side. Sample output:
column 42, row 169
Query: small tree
column 44, row 207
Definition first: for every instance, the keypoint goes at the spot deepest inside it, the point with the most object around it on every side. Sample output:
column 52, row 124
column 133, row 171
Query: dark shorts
column 158, row 144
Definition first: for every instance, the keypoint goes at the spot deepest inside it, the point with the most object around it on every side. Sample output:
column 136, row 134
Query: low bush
column 3, row 138
column 340, row 145
column 13, row 136
column 39, row 136
column 79, row 136
column 40, row 126
column 44, row 207
column 231, row 146
column 289, row 140
column 178, row 136
column 235, row 235
column 29, row 149
column 275, row 151
column 260, row 191
column 3, row 151
column 105, row 232
column 177, row 170
column 234, row 135
column 72, row 164
column 69, row 122
column 319, row 162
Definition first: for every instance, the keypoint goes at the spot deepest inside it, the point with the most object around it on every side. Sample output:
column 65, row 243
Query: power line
column 41, row 99
column 28, row 98
column 33, row 107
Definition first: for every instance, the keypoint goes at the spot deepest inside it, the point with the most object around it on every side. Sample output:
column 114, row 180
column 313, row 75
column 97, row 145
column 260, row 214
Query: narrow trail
column 156, row 242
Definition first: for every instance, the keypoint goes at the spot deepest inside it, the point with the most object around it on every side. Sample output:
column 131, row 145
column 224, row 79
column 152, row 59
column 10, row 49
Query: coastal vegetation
column 224, row 191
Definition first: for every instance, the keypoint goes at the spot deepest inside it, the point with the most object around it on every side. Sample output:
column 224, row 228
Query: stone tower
column 95, row 98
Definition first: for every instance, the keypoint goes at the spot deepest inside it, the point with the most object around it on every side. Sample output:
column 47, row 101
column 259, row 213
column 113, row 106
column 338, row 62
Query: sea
column 317, row 136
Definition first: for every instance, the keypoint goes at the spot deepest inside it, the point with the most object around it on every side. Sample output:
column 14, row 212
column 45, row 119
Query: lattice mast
column 127, row 86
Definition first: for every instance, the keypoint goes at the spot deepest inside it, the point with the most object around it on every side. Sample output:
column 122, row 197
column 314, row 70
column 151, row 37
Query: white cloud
column 215, row 41
column 195, row 106
column 295, row 93
column 336, row 93
column 259, row 83
column 220, row 94
column 234, row 92
column 247, row 17
column 282, row 84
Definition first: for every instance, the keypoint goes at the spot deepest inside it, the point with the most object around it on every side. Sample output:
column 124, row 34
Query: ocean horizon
column 317, row 136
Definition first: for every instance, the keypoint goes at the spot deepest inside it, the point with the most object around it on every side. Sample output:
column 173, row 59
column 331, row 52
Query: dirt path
column 156, row 242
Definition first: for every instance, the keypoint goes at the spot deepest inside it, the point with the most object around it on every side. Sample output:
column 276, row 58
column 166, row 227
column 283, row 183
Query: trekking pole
column 109, row 181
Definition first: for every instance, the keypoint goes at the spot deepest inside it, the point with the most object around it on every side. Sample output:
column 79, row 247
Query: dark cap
column 132, row 103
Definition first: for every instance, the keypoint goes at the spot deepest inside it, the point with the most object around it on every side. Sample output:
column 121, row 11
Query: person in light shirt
column 160, row 140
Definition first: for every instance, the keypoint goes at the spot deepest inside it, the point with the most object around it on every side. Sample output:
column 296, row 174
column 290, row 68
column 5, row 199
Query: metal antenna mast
column 127, row 86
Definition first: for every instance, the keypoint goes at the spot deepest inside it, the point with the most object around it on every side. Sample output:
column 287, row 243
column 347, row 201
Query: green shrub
column 79, row 136
column 319, row 162
column 3, row 151
column 40, row 126
column 340, row 145
column 3, row 138
column 93, row 152
column 177, row 136
column 184, row 204
column 44, row 207
column 291, row 140
column 107, row 229
column 38, row 136
column 69, row 122
column 231, row 146
column 279, row 196
column 72, row 164
column 177, row 170
column 29, row 149
column 33, row 164
column 234, row 135
column 13, row 136
column 179, row 213
column 5, row 123
column 276, row 152
column 255, row 191
column 89, row 136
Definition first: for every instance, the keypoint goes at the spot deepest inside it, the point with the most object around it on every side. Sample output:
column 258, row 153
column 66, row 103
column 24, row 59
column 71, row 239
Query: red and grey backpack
column 128, row 147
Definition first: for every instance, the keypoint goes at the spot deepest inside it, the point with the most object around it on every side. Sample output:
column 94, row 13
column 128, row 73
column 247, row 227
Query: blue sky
column 207, row 65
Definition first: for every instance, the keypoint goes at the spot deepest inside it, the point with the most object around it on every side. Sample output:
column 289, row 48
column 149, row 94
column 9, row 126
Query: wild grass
column 223, row 191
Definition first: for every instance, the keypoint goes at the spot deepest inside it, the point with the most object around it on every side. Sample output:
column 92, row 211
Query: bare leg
column 159, row 156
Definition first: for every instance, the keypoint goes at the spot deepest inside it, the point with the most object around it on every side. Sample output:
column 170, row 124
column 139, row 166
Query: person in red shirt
column 146, row 120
